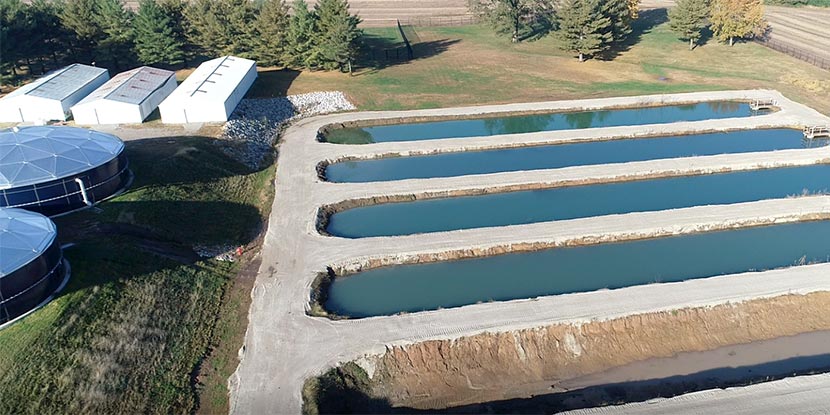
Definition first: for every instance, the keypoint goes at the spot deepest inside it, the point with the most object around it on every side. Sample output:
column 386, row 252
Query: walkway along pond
column 412, row 288
column 515, row 208
column 566, row 155
column 518, row 124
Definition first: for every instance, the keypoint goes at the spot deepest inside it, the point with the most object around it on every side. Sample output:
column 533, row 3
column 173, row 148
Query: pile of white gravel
column 256, row 123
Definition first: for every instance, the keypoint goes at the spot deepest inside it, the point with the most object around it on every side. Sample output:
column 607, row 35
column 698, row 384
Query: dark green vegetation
column 45, row 35
column 688, row 19
column 157, row 40
column 587, row 28
column 144, row 325
column 341, row 390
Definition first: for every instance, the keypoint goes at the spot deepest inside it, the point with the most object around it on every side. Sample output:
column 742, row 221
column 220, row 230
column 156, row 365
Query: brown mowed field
column 807, row 28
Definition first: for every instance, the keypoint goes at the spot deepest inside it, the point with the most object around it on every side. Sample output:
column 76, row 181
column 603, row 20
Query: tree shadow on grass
column 142, row 237
column 272, row 83
column 645, row 23
column 379, row 52
column 179, row 160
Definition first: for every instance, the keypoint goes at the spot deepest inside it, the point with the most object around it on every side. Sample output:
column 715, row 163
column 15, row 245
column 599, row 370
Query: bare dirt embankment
column 488, row 367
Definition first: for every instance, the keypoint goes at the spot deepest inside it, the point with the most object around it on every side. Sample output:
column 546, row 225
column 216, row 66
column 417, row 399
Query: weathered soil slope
column 487, row 367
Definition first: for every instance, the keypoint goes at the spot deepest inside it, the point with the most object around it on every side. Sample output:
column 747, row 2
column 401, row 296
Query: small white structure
column 211, row 92
column 51, row 96
column 127, row 98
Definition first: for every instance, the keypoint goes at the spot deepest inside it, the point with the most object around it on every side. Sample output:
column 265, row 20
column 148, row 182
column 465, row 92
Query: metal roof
column 24, row 236
column 213, row 80
column 60, row 84
column 30, row 155
column 131, row 87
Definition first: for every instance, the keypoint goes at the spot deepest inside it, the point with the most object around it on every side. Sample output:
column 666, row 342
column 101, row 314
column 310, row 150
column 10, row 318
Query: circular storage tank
column 31, row 262
column 54, row 170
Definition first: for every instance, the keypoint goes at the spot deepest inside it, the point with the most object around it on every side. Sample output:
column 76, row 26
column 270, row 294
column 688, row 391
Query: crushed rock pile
column 250, row 134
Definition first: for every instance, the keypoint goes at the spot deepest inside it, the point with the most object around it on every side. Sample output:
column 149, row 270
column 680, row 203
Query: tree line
column 593, row 28
column 727, row 19
column 586, row 28
column 170, row 33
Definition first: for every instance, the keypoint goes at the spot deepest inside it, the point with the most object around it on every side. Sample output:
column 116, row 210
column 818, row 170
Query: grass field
column 470, row 65
column 138, row 329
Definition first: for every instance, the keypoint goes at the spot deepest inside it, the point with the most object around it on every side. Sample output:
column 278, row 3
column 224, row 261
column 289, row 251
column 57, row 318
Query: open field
column 444, row 74
column 381, row 13
column 145, row 324
column 805, row 28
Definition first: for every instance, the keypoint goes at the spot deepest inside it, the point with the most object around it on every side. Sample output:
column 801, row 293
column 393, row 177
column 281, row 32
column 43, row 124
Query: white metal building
column 211, row 92
column 128, row 97
column 51, row 96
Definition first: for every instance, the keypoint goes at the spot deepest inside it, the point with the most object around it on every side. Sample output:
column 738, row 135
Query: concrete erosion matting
column 284, row 346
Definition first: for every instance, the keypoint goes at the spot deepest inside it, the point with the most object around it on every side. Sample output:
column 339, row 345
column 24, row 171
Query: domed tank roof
column 24, row 236
column 31, row 155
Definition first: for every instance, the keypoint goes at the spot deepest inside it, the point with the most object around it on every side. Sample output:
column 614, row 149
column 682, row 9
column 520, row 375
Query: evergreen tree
column 619, row 12
column 174, row 9
column 14, row 29
column 205, row 28
column 514, row 17
column 337, row 34
column 740, row 19
column 49, row 40
column 301, row 30
column 272, row 25
column 116, row 47
column 583, row 29
column 223, row 27
column 241, row 24
column 155, row 37
column 80, row 18
column 688, row 19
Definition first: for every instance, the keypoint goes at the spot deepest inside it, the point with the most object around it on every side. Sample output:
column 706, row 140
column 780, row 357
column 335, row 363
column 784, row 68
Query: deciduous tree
column 688, row 19
column 738, row 19
column 514, row 17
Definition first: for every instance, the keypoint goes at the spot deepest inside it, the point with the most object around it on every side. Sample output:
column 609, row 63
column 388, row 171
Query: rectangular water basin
column 539, row 122
column 515, row 208
column 566, row 155
column 412, row 288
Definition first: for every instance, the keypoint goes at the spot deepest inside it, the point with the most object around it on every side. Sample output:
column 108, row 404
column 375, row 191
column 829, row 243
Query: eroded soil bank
column 491, row 367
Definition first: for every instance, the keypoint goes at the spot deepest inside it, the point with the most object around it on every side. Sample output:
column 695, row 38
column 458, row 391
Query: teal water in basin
column 412, row 288
column 566, row 155
column 541, row 122
column 514, row 208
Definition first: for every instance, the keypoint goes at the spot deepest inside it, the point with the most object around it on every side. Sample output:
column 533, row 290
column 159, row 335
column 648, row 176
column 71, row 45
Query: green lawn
column 140, row 315
column 471, row 65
